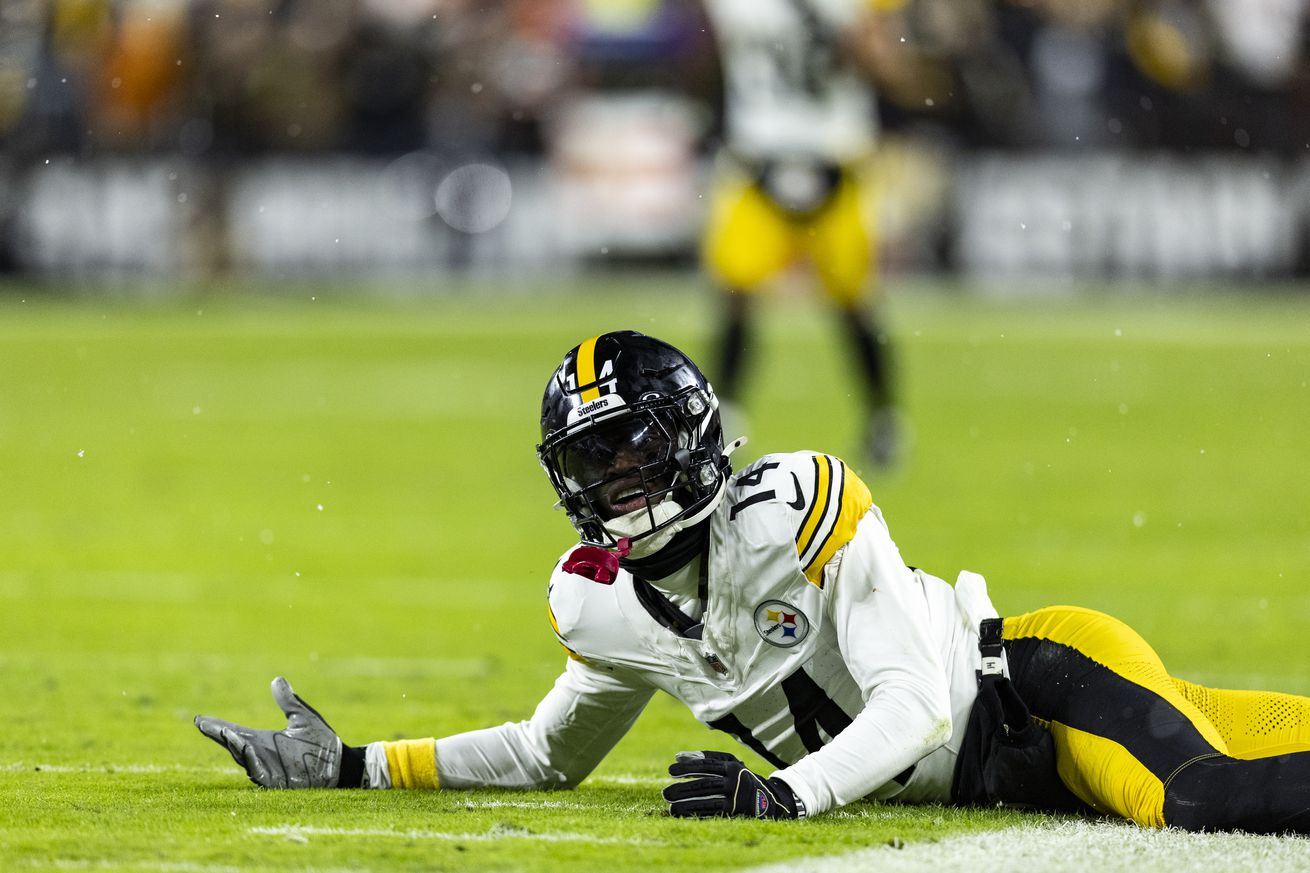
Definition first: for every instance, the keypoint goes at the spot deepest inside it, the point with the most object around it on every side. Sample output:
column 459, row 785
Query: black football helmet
column 631, row 439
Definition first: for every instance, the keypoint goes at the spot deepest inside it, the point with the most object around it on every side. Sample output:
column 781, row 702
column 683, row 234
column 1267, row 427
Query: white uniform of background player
column 789, row 91
column 794, row 182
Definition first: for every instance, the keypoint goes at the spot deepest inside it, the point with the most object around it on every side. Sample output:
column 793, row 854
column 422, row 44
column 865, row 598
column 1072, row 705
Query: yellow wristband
column 413, row 763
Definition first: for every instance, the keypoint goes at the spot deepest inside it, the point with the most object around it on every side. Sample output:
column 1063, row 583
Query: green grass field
column 202, row 494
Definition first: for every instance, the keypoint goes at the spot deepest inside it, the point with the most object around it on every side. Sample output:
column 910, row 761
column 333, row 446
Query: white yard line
column 495, row 834
column 106, row 767
column 628, row 779
column 165, row 866
column 21, row 766
column 520, row 804
column 1071, row 847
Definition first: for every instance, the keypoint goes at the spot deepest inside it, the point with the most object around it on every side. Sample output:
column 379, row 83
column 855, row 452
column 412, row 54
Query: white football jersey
column 817, row 647
column 789, row 89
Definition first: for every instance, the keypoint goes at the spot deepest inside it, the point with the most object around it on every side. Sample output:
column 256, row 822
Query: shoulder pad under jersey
column 566, row 599
column 821, row 498
column 586, row 615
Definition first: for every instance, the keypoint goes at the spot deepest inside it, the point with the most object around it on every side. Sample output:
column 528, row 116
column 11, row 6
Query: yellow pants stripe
column 413, row 763
column 1105, row 776
column 1134, row 741
column 1101, row 771
column 1113, row 644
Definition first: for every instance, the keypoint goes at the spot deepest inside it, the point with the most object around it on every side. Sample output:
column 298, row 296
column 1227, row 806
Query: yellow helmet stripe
column 587, row 370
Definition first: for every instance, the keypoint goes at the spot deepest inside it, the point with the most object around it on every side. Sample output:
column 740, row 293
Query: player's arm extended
column 883, row 628
column 573, row 728
column 575, row 725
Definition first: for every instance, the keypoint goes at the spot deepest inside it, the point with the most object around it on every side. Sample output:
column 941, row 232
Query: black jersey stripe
column 811, row 709
column 732, row 725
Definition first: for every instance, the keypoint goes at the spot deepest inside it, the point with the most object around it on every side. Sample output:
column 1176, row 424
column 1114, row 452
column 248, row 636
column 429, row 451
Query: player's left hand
column 717, row 784
column 305, row 754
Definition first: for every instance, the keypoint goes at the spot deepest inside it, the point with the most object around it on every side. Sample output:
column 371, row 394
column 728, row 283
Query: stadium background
column 281, row 284
column 1062, row 140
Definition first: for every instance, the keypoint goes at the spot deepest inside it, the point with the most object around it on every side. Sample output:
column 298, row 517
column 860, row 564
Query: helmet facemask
column 640, row 472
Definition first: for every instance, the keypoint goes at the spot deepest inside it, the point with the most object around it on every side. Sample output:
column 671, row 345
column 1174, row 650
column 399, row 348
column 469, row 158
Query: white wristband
column 377, row 774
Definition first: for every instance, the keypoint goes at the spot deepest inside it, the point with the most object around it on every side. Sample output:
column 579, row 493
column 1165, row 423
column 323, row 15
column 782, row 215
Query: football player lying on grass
column 774, row 604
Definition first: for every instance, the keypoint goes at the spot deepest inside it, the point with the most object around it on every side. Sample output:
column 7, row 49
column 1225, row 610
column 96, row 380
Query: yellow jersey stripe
column 853, row 502
column 822, row 474
column 587, row 370
column 827, row 516
column 560, row 637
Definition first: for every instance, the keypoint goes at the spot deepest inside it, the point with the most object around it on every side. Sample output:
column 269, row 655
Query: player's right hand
column 718, row 784
column 305, row 754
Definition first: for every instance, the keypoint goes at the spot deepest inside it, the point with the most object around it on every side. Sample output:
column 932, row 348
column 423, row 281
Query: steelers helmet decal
column 593, row 381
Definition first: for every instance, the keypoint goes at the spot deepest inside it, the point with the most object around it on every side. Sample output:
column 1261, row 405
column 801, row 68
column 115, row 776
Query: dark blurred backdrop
column 1048, row 139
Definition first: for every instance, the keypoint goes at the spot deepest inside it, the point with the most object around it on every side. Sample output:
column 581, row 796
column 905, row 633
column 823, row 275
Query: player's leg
column 734, row 335
column 842, row 243
column 883, row 437
column 1095, row 682
column 746, row 242
column 1129, row 742
column 1269, row 733
column 1254, row 724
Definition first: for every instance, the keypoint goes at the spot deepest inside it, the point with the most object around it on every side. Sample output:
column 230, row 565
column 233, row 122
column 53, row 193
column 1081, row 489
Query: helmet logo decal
column 594, row 407
column 592, row 381
column 570, row 380
column 781, row 624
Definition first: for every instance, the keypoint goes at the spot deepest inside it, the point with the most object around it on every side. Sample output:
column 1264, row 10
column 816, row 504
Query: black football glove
column 720, row 785
column 307, row 753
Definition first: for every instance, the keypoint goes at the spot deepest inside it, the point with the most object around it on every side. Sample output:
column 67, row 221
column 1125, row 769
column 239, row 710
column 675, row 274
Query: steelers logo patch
column 781, row 624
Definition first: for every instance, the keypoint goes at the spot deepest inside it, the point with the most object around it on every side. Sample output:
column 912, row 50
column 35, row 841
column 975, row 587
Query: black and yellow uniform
column 1133, row 741
column 757, row 228
column 794, row 184
column 775, row 605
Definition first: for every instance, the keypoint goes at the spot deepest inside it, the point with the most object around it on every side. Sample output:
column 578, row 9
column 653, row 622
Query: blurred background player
column 792, row 181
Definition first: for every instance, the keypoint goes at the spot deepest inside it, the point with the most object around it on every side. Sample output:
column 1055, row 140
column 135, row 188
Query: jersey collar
column 678, row 553
column 665, row 612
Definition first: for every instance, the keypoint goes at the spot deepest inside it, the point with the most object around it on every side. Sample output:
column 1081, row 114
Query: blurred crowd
column 235, row 77
column 221, row 78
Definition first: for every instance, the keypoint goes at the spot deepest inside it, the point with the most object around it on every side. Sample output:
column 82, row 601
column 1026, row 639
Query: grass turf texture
column 202, row 495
